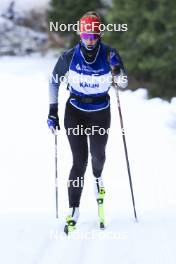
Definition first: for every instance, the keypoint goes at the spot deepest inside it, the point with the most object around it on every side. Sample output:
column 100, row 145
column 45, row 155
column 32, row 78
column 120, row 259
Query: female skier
column 89, row 66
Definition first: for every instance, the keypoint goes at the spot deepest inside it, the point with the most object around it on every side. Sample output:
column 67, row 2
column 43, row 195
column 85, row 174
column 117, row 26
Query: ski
column 100, row 202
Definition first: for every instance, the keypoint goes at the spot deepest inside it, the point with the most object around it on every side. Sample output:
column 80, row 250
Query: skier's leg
column 98, row 141
column 97, row 149
column 79, row 147
column 79, row 150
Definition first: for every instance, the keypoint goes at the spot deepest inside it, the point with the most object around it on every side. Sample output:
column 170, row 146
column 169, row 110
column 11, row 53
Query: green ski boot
column 70, row 225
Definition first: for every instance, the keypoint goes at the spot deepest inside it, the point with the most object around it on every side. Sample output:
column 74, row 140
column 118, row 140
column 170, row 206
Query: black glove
column 53, row 119
column 115, row 70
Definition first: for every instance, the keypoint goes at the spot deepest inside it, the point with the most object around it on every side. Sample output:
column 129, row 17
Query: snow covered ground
column 29, row 232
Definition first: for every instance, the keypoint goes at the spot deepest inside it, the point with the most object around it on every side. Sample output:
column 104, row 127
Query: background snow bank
column 23, row 6
column 19, row 40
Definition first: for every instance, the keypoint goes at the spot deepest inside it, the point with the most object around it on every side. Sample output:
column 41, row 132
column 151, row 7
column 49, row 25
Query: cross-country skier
column 88, row 66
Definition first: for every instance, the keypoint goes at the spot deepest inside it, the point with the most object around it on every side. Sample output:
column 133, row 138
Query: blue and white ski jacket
column 92, row 79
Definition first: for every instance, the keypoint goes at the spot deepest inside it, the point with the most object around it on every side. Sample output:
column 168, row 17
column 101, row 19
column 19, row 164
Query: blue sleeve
column 60, row 69
column 115, row 60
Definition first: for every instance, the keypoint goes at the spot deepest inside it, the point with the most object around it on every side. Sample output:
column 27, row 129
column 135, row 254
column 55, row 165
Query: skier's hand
column 53, row 119
column 53, row 123
column 121, row 80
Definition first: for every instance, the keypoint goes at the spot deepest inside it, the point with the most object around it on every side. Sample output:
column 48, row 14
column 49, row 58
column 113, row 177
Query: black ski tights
column 80, row 126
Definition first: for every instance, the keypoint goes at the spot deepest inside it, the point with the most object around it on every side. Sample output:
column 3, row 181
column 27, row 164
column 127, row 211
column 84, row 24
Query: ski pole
column 125, row 148
column 56, row 173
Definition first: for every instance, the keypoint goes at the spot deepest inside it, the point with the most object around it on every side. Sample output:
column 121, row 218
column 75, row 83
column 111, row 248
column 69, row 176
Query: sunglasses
column 90, row 36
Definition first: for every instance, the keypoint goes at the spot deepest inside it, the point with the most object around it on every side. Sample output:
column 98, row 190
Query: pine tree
column 148, row 47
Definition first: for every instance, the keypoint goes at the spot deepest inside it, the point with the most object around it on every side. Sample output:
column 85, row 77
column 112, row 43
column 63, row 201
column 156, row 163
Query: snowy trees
column 148, row 47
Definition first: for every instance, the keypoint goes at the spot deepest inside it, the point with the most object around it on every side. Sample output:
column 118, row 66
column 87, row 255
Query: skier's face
column 89, row 40
column 90, row 43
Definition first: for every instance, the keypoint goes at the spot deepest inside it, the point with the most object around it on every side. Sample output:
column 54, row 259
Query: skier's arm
column 60, row 69
column 118, row 69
